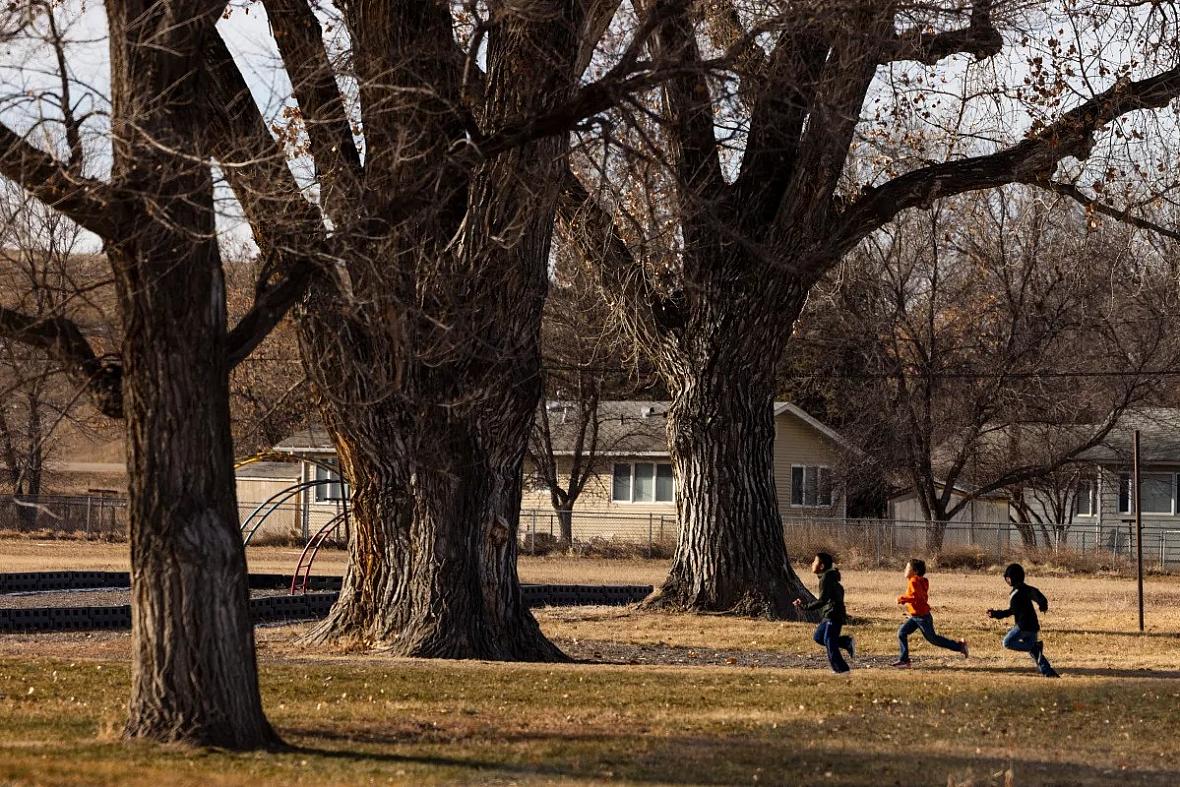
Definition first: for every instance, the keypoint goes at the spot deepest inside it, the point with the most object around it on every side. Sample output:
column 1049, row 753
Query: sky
column 993, row 116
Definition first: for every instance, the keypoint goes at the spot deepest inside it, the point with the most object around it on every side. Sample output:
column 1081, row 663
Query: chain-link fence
column 873, row 542
column 83, row 516
column 603, row 534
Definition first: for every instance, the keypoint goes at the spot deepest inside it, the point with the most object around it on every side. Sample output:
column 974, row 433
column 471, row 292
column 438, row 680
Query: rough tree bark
column 194, row 674
column 432, row 429
column 730, row 551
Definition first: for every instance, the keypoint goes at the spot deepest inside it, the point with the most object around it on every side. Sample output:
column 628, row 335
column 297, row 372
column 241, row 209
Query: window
column 1084, row 499
column 642, row 482
column 1156, row 495
column 811, row 486
column 333, row 490
column 1124, row 493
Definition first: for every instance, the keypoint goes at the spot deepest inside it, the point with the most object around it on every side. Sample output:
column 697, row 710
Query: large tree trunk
column 730, row 553
column 373, row 450
column 194, row 676
column 436, row 576
column 465, row 601
column 193, row 670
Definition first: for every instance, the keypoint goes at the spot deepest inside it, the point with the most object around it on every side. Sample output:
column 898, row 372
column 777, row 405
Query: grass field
column 659, row 698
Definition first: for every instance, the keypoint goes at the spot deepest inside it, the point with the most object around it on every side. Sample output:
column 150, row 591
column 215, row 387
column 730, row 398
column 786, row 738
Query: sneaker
column 852, row 647
column 901, row 664
column 963, row 648
column 1052, row 673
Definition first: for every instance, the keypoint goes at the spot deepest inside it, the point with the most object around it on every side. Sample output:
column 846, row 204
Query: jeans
column 1026, row 642
column 828, row 634
column 925, row 624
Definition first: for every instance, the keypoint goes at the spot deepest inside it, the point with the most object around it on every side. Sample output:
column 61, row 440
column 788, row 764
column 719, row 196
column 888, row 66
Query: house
column 297, row 497
column 1104, row 501
column 1089, row 502
column 982, row 521
column 632, row 490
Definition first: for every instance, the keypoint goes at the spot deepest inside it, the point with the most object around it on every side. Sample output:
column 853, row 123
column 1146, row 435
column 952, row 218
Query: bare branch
column 980, row 38
column 84, row 200
column 63, row 340
column 1031, row 160
column 1088, row 202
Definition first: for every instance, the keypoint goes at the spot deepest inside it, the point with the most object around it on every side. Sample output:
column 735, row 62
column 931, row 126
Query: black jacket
column 830, row 602
column 1020, row 604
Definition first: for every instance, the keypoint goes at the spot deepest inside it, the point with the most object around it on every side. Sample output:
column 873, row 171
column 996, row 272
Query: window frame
column 818, row 473
column 321, row 493
column 1091, row 485
column 1126, row 491
column 1171, row 493
column 631, row 476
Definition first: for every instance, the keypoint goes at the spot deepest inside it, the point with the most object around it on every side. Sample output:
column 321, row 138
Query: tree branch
column 1125, row 216
column 61, row 339
column 301, row 45
column 1030, row 160
column 83, row 200
column 690, row 107
column 585, row 225
column 980, row 38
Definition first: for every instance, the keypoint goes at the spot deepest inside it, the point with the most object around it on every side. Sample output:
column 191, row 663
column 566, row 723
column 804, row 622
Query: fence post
column 533, row 537
column 650, row 548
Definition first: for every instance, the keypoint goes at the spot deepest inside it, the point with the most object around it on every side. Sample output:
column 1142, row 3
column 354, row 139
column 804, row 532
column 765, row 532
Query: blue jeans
column 1027, row 642
column 925, row 624
column 828, row 634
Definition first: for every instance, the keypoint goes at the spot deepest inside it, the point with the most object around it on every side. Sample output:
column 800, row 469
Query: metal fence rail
column 870, row 541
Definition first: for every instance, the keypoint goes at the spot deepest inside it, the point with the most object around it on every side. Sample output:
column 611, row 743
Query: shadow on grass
column 783, row 758
column 1066, row 670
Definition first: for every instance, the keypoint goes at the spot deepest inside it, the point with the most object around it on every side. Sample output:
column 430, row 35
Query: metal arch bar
column 289, row 491
column 313, row 545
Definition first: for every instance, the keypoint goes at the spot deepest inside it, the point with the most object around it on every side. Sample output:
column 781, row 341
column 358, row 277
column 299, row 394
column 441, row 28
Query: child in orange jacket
column 918, row 618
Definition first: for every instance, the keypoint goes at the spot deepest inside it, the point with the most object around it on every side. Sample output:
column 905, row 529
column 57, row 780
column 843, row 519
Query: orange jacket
column 915, row 596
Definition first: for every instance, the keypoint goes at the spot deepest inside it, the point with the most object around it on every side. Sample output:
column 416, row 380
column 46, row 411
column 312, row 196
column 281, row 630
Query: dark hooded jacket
column 830, row 601
column 1020, row 606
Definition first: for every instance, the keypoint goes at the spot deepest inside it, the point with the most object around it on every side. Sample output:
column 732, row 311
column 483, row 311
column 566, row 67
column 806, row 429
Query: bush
column 970, row 557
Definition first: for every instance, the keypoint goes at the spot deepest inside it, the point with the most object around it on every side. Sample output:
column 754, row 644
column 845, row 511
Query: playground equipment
column 253, row 523
column 299, row 584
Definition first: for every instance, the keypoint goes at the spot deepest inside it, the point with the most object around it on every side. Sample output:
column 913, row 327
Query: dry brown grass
column 706, row 720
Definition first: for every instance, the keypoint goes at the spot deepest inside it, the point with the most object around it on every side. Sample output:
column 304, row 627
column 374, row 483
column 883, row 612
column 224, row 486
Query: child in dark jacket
column 1025, row 635
column 917, row 607
column 830, row 603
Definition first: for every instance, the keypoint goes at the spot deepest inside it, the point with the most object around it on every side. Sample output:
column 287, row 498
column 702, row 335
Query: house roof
column 313, row 439
column 959, row 489
column 625, row 428
column 814, row 423
column 283, row 471
column 1159, row 438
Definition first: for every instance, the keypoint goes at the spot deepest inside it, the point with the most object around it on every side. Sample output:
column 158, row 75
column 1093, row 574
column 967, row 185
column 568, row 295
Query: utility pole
column 1138, row 524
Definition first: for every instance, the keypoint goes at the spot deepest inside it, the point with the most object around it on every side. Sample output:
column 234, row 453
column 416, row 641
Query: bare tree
column 193, row 676
column 987, row 351
column 423, row 343
column 585, row 360
column 826, row 121
column 44, row 273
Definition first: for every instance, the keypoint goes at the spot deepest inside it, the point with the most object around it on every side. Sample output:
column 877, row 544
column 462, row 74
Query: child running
column 1025, row 635
column 830, row 603
column 917, row 609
